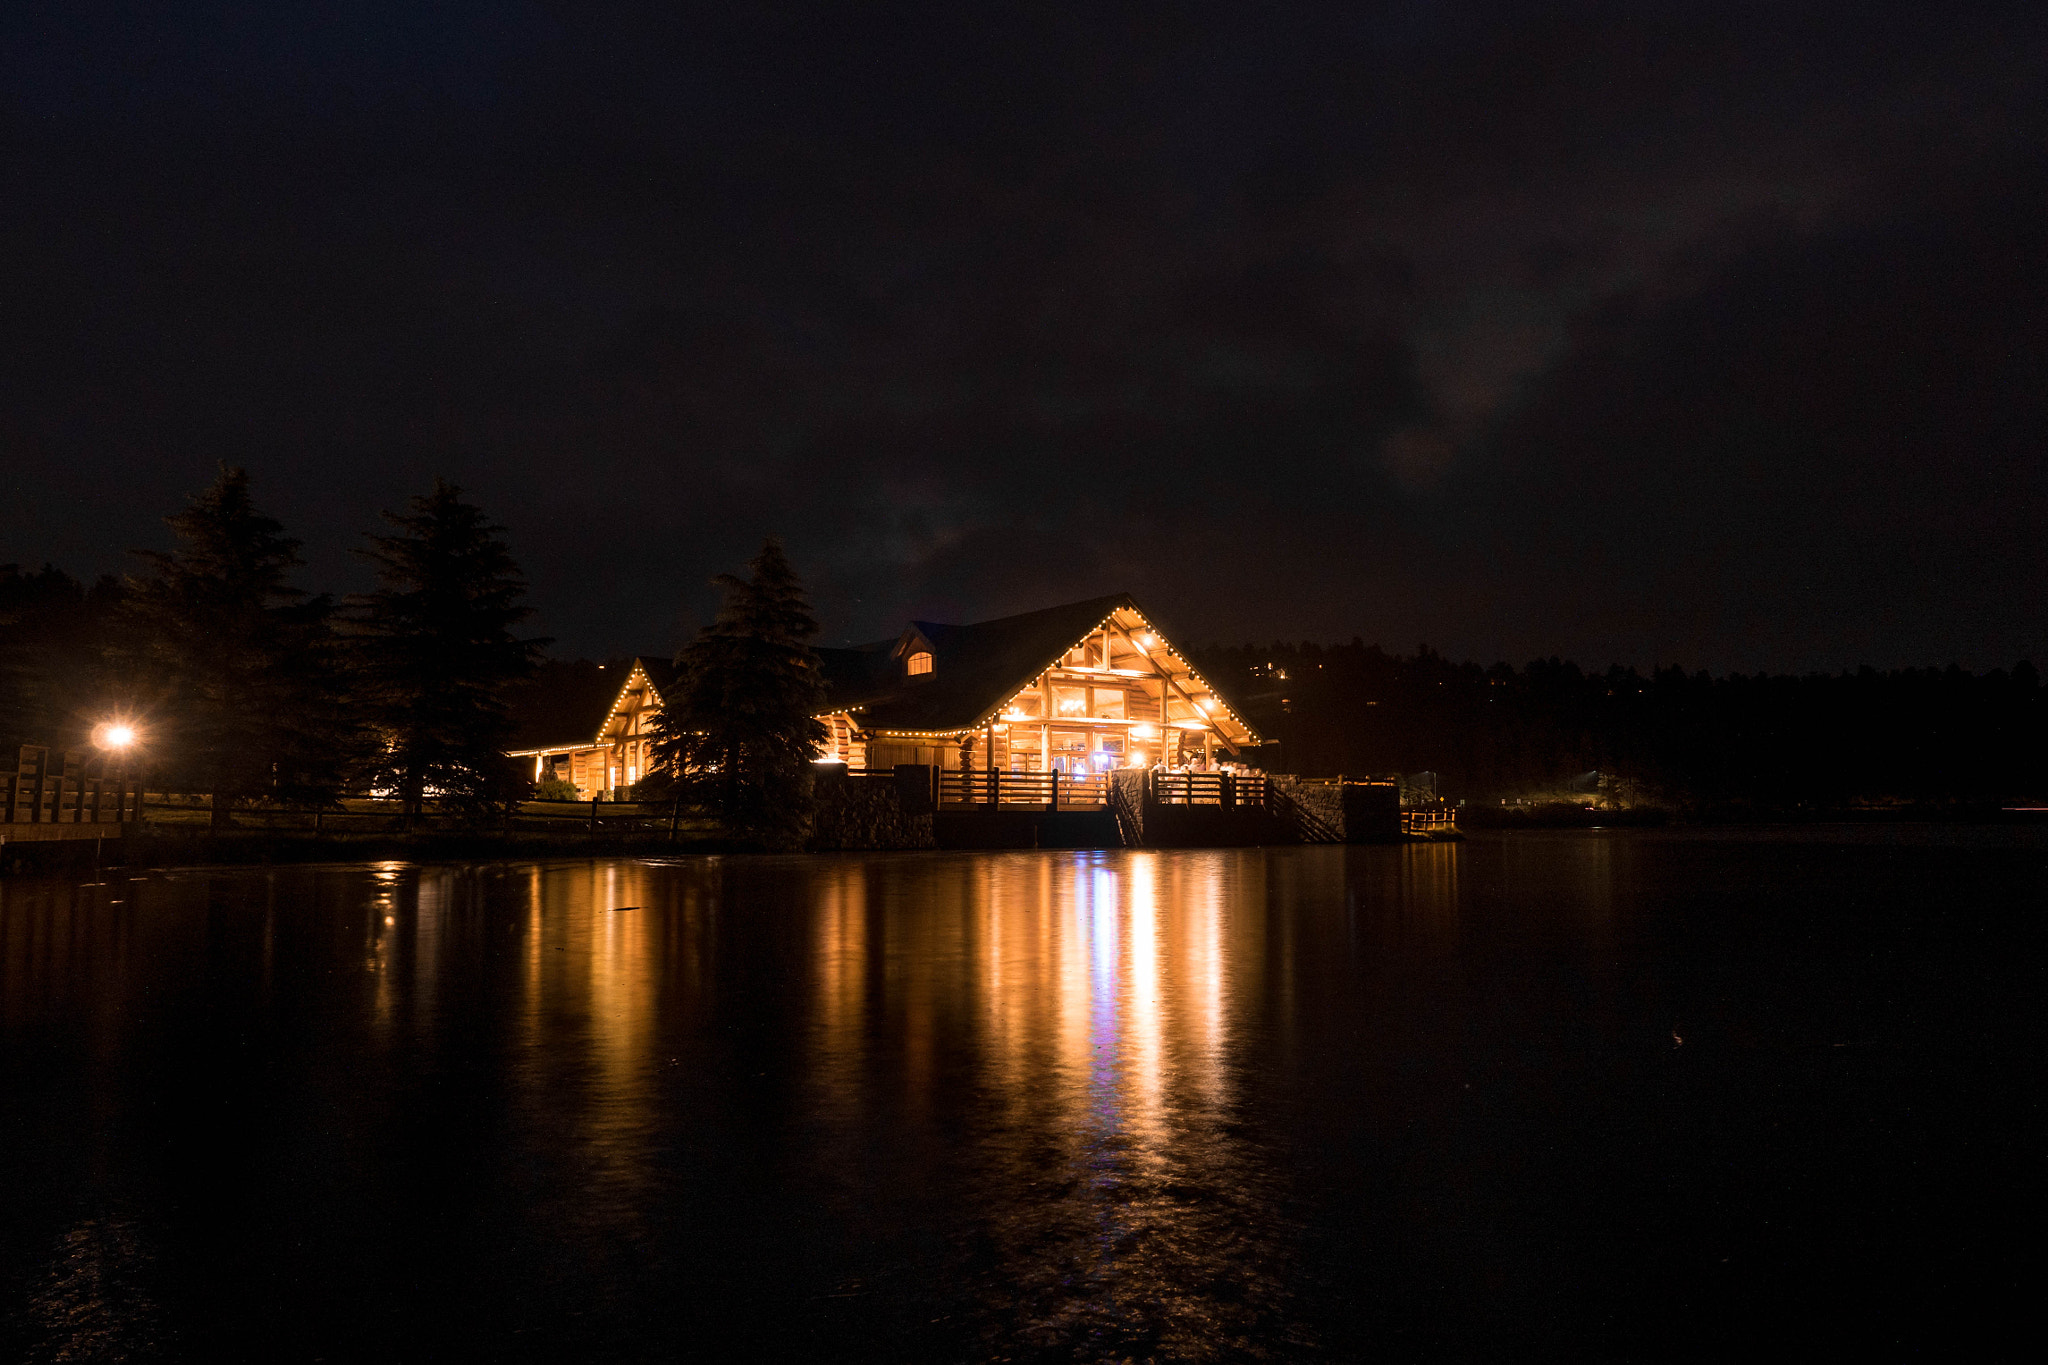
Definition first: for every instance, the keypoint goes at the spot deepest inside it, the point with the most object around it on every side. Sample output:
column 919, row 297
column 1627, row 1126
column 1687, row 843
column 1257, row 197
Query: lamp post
column 115, row 738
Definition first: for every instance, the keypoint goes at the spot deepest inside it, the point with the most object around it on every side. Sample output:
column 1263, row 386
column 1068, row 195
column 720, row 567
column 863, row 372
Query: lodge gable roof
column 975, row 668
column 562, row 706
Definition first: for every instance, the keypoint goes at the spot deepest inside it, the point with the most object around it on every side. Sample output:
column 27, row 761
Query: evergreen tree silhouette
column 244, row 671
column 57, row 636
column 438, row 658
column 740, row 730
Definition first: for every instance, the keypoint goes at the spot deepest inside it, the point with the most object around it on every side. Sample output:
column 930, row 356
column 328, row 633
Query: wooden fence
column 376, row 815
column 69, row 793
column 51, row 793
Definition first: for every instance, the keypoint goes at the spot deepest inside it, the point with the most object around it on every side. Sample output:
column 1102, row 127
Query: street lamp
column 115, row 736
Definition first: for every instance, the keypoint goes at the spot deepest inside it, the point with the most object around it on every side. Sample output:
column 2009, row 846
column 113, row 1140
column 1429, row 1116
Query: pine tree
column 740, row 729
column 56, row 678
column 241, row 668
column 437, row 654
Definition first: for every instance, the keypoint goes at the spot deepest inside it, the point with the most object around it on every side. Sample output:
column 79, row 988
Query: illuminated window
column 920, row 662
column 1109, row 703
column 1069, row 750
column 1027, row 705
column 1070, row 701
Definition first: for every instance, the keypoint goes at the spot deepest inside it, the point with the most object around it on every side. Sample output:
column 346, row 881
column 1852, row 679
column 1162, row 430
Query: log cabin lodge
column 1078, row 690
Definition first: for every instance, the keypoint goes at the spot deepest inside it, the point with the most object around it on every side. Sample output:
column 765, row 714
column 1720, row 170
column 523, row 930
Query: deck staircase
column 1307, row 825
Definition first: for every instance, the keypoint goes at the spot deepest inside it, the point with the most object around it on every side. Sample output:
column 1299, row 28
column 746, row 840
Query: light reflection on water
column 1087, row 1001
column 1172, row 1105
column 1100, row 1021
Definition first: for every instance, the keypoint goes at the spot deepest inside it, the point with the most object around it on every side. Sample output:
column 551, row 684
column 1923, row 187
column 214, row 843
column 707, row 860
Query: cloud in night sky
column 1654, row 333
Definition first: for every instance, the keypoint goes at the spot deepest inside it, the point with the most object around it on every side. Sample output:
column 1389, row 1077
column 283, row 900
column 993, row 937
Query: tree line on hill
column 1682, row 740
column 245, row 687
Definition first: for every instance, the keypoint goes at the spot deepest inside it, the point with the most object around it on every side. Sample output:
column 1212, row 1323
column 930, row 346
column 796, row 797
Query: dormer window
column 920, row 662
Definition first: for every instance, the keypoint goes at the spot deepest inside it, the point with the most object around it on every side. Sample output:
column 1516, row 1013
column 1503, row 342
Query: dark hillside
column 1920, row 736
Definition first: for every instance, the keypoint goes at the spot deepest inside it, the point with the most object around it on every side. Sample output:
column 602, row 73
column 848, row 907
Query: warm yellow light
column 1146, row 641
column 1144, row 731
column 113, row 734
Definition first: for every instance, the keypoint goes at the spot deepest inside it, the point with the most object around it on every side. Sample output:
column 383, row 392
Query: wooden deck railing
column 994, row 789
column 1427, row 819
column 1208, row 789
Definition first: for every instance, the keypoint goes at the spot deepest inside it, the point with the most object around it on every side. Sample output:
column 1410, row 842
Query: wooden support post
column 593, row 815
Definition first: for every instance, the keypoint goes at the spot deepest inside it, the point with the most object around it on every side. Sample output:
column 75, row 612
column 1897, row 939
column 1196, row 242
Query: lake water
column 1535, row 1094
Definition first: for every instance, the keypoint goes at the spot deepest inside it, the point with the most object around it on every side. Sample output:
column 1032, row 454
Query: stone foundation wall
column 1323, row 803
column 866, row 815
column 1355, row 814
column 1127, row 798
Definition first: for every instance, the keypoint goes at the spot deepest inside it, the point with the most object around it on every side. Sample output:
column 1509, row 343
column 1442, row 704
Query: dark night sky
column 1699, row 333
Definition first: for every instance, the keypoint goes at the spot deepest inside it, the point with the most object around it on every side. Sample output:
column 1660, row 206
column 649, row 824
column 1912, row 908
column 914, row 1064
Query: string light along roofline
column 653, row 694
column 1145, row 621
